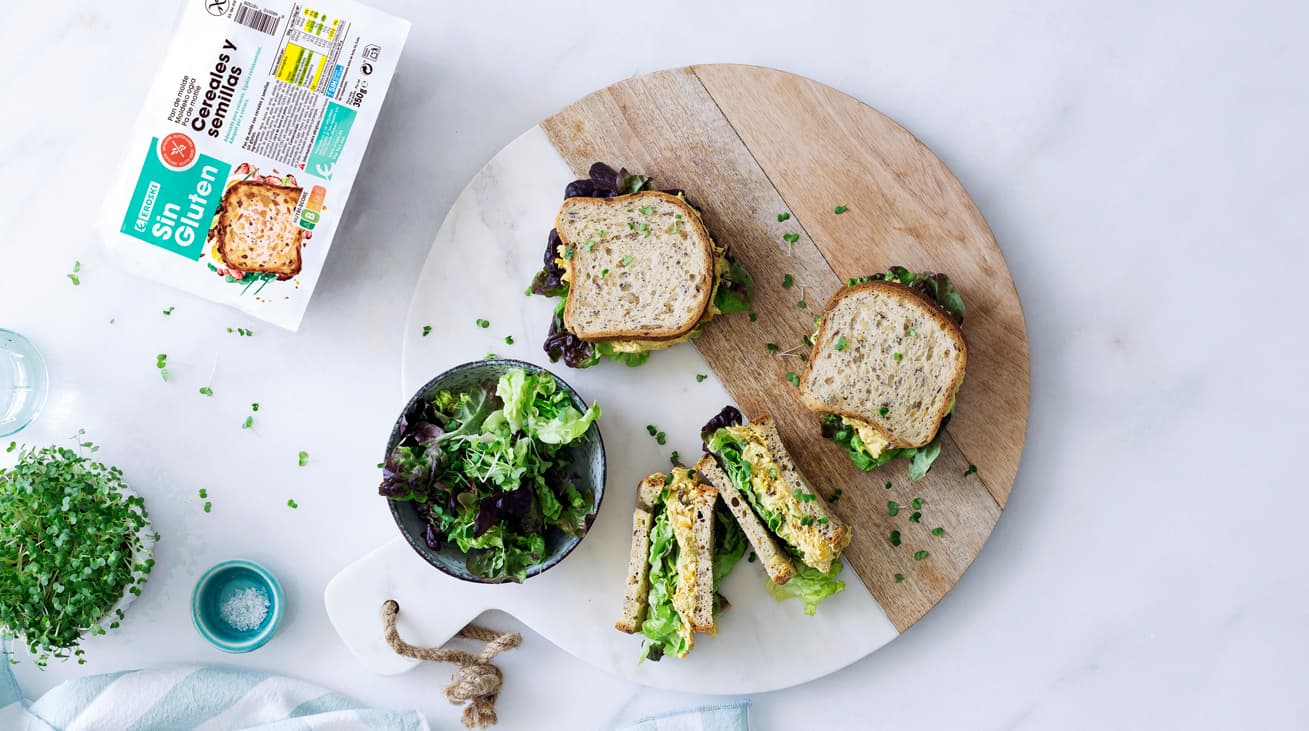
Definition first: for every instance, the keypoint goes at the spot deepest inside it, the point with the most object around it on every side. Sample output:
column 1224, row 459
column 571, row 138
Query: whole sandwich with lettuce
column 634, row 270
column 797, row 539
column 888, row 358
column 488, row 470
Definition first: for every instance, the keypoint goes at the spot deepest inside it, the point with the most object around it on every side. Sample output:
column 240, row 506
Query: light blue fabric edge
column 735, row 706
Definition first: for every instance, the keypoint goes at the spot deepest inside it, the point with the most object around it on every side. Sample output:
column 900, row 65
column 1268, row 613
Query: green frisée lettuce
column 729, row 545
column 663, row 627
column 809, row 585
column 488, row 470
column 920, row 458
column 728, row 448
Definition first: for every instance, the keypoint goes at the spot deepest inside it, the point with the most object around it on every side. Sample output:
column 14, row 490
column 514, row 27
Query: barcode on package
column 261, row 20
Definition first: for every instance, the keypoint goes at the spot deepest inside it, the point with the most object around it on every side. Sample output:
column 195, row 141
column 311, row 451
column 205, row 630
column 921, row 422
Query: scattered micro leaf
column 248, row 423
column 509, row 340
column 972, row 469
column 304, row 458
column 754, row 317
column 793, row 379
column 206, row 391
column 292, row 504
column 254, row 407
column 625, row 261
column 899, row 578
column 783, row 216
column 840, row 343
column 895, row 538
column 484, row 324
column 427, row 330
column 203, row 493
column 208, row 506
column 840, row 209
column 787, row 281
column 700, row 377
column 920, row 555
column 791, row 238
column 892, row 508
column 938, row 531
column 802, row 304
column 916, row 517
column 918, row 503
column 169, row 311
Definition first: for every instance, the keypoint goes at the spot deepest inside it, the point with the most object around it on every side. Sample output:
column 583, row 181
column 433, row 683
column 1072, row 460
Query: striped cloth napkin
column 207, row 698
column 727, row 717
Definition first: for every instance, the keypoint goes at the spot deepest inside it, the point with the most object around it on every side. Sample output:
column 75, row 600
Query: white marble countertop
column 1142, row 166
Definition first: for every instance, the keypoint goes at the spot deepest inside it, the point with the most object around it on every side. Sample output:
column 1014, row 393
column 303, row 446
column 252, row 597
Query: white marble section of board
column 484, row 256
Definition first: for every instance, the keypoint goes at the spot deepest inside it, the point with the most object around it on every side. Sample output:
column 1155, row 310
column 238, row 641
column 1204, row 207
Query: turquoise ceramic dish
column 218, row 586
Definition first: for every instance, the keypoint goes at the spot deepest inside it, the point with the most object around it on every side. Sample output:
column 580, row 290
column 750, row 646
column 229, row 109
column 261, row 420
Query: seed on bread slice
column 639, row 267
column 638, row 561
column 776, row 563
column 887, row 356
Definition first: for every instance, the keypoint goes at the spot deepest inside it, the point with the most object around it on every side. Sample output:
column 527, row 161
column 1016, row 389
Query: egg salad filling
column 791, row 515
column 682, row 518
column 869, row 448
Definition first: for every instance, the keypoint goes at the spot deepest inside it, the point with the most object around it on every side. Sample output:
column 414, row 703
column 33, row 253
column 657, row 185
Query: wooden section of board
column 821, row 148
column 722, row 133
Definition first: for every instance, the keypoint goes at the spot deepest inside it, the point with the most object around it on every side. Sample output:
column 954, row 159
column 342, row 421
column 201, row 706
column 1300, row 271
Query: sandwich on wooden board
column 796, row 537
column 635, row 271
column 683, row 546
column 888, row 358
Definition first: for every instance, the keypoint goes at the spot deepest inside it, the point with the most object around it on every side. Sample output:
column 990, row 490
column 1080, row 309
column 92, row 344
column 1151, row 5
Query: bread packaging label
column 245, row 151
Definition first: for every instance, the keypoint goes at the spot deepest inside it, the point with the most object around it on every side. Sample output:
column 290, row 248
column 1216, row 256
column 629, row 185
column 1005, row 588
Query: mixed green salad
column 488, row 469
column 936, row 288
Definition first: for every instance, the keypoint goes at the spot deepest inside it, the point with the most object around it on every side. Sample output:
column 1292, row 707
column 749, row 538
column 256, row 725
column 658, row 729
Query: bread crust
column 933, row 310
column 230, row 207
column 638, row 568
column 692, row 218
column 776, row 563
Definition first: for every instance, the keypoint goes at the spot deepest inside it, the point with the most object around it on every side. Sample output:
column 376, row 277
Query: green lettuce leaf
column 567, row 426
column 921, row 458
column 631, row 360
column 728, row 449
column 809, row 585
column 735, row 290
column 729, row 544
column 662, row 625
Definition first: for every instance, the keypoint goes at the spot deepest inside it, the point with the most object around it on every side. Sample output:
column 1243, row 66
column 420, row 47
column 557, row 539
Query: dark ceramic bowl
column 587, row 462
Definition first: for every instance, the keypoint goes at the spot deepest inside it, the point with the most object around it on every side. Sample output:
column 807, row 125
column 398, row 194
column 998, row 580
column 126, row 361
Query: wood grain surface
column 747, row 143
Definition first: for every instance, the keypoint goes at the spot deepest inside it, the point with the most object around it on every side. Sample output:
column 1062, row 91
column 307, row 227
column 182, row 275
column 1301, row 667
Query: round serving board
column 745, row 143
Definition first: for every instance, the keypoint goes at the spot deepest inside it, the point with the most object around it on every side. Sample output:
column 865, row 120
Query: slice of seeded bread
column 888, row 356
column 775, row 561
column 828, row 528
column 638, row 561
column 259, row 231
column 640, row 266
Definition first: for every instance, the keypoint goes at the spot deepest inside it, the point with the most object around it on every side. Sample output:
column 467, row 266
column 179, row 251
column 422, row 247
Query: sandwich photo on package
column 246, row 149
